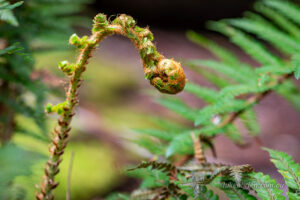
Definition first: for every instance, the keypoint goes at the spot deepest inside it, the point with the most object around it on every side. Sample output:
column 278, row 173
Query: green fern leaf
column 287, row 69
column 248, row 44
column 155, row 147
column 167, row 168
column 222, row 53
column 233, row 91
column 206, row 94
column 279, row 19
column 222, row 106
column 216, row 78
column 234, row 134
column 266, row 188
column 282, row 41
column 296, row 64
column 290, row 92
column 166, row 124
column 231, row 190
column 249, row 119
column 287, row 8
column 226, row 70
column 163, row 135
column 287, row 168
column 293, row 196
column 178, row 107
column 183, row 144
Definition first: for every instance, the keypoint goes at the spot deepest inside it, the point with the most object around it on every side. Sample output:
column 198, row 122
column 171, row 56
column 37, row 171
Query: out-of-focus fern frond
column 248, row 44
column 6, row 13
column 249, row 119
column 226, row 70
column 279, row 19
column 15, row 161
column 282, row 41
column 206, row 94
column 178, row 107
column 222, row 53
column 217, row 79
column 286, row 8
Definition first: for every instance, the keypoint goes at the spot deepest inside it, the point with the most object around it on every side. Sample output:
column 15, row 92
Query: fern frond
column 287, row 69
column 222, row 53
column 222, row 106
column 290, row 92
column 287, row 168
column 280, row 40
column 296, row 65
column 206, row 94
column 226, row 70
column 183, row 144
column 231, row 190
column 233, row 91
column 232, row 132
column 279, row 19
column 217, row 79
column 178, row 107
column 287, row 8
column 249, row 119
column 167, row 124
column 168, row 168
column 252, row 47
column 163, row 135
column 266, row 188
column 155, row 147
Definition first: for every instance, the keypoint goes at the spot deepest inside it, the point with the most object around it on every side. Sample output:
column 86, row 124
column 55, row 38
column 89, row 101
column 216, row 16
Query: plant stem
column 164, row 74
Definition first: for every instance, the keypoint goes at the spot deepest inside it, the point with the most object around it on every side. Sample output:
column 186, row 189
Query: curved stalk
column 164, row 74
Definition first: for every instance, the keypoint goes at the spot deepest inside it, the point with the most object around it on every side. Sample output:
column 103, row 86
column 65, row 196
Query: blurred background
column 115, row 98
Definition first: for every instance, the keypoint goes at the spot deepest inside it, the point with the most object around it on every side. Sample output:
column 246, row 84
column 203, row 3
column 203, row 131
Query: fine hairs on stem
column 164, row 74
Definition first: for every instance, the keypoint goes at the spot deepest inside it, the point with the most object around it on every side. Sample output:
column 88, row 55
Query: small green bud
column 100, row 18
column 129, row 21
column 74, row 39
column 63, row 64
column 49, row 108
column 80, row 43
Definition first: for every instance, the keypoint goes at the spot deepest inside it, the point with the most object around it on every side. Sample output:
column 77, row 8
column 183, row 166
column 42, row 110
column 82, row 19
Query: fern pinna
column 239, row 87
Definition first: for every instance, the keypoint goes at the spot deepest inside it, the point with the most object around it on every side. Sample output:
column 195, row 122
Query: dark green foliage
column 15, row 161
column 26, row 27
column 31, row 25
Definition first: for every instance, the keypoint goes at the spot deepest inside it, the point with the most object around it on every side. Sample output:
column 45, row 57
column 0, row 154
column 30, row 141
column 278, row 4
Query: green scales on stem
column 164, row 74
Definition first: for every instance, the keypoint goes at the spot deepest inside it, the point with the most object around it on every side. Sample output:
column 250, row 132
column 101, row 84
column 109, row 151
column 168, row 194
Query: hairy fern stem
column 164, row 74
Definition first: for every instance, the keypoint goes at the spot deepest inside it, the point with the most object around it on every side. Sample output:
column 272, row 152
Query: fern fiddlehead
column 164, row 74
